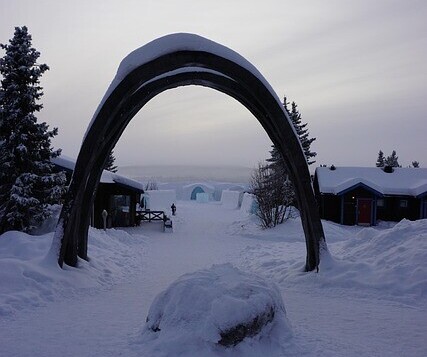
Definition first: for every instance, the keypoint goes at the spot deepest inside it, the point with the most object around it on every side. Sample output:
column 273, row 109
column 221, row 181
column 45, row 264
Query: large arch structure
column 169, row 62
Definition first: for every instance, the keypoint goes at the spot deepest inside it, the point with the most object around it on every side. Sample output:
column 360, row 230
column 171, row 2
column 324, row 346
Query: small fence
column 148, row 216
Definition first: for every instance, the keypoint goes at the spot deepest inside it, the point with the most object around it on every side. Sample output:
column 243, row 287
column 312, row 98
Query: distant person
column 173, row 208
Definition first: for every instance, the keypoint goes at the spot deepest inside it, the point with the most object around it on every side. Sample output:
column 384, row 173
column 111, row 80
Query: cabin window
column 403, row 203
column 380, row 202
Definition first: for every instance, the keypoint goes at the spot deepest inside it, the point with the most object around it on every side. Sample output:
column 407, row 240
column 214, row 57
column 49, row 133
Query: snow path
column 326, row 321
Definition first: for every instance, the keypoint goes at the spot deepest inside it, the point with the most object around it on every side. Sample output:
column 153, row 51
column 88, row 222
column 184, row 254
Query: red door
column 364, row 206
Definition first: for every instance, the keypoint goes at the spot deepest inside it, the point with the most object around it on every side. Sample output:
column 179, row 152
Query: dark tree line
column 391, row 160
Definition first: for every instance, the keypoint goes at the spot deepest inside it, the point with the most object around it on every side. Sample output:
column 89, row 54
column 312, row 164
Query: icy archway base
column 169, row 62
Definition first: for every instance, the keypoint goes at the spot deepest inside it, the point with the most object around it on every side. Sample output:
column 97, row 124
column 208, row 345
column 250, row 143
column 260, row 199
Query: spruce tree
column 302, row 132
column 380, row 159
column 392, row 160
column 276, row 161
column 109, row 165
column 282, row 190
column 27, row 181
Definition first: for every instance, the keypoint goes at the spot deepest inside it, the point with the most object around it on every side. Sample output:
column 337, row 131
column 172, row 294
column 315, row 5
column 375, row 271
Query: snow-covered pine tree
column 109, row 165
column 27, row 181
column 415, row 164
column 380, row 159
column 392, row 160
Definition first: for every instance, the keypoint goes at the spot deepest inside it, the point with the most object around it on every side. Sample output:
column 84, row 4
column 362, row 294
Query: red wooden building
column 365, row 195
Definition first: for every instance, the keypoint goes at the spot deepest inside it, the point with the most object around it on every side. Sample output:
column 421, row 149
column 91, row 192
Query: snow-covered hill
column 369, row 298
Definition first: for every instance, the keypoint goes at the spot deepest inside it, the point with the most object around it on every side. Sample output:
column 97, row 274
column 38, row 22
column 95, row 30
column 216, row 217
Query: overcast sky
column 356, row 69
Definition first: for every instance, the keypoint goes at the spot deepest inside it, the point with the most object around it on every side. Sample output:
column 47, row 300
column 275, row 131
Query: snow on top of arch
column 172, row 43
column 182, row 42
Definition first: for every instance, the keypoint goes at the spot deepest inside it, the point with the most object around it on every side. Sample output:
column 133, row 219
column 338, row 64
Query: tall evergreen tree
column 282, row 190
column 392, row 160
column 275, row 160
column 302, row 132
column 380, row 159
column 27, row 181
column 109, row 165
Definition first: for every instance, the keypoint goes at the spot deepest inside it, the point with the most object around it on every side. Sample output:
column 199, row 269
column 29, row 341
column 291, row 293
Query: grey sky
column 356, row 69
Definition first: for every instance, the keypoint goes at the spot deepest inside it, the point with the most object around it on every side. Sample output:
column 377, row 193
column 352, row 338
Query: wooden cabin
column 365, row 195
column 116, row 194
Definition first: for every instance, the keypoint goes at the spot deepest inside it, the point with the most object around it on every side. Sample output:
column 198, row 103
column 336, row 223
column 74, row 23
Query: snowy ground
column 369, row 298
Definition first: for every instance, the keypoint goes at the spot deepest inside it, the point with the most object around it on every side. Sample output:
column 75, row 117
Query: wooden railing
column 150, row 216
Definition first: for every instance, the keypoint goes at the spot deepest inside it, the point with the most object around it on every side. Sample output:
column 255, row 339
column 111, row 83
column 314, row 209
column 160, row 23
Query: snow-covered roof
column 106, row 177
column 402, row 181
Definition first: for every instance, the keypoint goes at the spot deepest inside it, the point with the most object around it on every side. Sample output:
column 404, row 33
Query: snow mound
column 30, row 275
column 394, row 259
column 390, row 260
column 205, row 307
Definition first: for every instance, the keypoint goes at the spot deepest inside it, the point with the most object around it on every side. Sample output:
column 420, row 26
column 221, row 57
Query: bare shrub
column 274, row 194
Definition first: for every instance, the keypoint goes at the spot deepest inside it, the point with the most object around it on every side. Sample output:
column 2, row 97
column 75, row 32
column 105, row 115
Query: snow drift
column 31, row 277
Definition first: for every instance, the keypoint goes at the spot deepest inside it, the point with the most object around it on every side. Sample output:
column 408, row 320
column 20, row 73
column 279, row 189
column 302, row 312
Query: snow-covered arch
column 169, row 62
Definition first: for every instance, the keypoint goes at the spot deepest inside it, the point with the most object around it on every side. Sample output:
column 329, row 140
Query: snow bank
column 393, row 259
column 30, row 276
column 389, row 260
column 230, row 199
column 197, row 309
column 160, row 200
